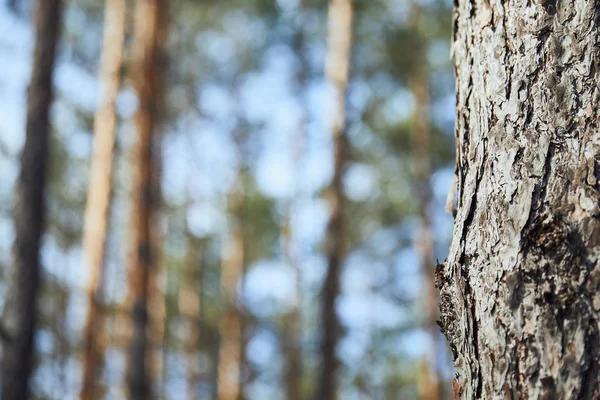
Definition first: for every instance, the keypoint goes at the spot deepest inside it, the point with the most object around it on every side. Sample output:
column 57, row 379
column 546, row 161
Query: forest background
column 246, row 159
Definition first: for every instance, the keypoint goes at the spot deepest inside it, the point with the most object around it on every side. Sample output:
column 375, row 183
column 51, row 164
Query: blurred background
column 246, row 167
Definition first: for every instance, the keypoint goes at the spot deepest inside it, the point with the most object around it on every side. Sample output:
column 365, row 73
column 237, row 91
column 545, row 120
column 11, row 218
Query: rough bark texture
column 20, row 313
column 428, row 378
column 148, row 65
column 99, row 195
column 337, row 69
column 520, row 289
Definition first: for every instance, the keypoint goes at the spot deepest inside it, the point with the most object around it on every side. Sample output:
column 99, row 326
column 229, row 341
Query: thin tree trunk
column 232, row 324
column 428, row 380
column 97, row 212
column 292, row 332
column 20, row 313
column 189, row 308
column 148, row 64
column 520, row 299
column 292, row 322
column 158, row 298
column 337, row 68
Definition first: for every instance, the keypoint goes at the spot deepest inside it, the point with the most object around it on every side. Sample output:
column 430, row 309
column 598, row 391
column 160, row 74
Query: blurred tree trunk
column 428, row 379
column 23, row 283
column 189, row 309
column 158, row 300
column 97, row 212
column 231, row 326
column 337, row 69
column 292, row 322
column 520, row 288
column 148, row 68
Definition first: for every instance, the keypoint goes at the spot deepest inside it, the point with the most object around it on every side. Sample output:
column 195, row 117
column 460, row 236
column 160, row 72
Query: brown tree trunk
column 428, row 380
column 157, row 301
column 97, row 212
column 148, row 68
column 20, row 313
column 337, row 69
column 189, row 309
column 520, row 288
column 231, row 325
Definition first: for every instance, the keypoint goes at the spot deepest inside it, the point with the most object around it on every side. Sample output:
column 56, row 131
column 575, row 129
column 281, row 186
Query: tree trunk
column 337, row 69
column 231, row 326
column 189, row 309
column 158, row 299
column 148, row 66
column 97, row 212
column 428, row 379
column 20, row 313
column 520, row 288
column 292, row 321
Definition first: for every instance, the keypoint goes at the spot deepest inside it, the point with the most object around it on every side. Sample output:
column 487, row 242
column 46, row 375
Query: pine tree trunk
column 148, row 67
column 292, row 322
column 231, row 325
column 20, row 312
column 97, row 212
column 337, row 68
column 157, row 301
column 520, row 288
column 428, row 380
column 189, row 309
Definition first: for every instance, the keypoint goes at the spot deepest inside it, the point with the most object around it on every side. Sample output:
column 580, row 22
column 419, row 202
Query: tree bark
column 20, row 313
column 97, row 212
column 337, row 69
column 148, row 68
column 520, row 288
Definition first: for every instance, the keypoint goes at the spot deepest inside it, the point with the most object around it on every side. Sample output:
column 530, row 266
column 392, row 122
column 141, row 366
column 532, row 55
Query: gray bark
column 519, row 289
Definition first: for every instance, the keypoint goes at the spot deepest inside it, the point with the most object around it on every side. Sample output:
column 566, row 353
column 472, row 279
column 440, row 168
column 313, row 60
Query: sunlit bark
column 97, row 212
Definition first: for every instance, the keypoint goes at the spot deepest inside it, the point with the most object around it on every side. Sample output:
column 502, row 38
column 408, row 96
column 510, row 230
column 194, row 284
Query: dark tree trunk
column 20, row 312
column 338, row 62
column 150, row 19
column 520, row 289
